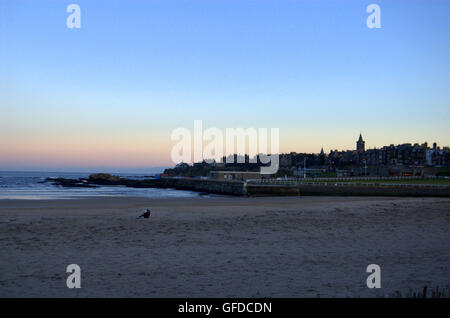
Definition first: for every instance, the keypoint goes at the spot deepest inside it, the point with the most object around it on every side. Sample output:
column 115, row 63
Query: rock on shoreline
column 97, row 179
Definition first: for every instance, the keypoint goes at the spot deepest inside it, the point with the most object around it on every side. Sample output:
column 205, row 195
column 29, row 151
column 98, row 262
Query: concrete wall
column 240, row 188
column 275, row 190
column 348, row 190
column 358, row 190
column 203, row 185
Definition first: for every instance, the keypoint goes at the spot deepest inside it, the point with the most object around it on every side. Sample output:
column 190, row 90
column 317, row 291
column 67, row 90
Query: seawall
column 193, row 184
column 271, row 189
column 206, row 185
column 375, row 190
column 241, row 188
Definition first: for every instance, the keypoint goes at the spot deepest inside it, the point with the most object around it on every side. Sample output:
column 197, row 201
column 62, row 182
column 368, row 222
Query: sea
column 30, row 186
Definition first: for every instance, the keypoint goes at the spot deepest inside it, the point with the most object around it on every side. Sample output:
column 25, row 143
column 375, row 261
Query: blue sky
column 138, row 69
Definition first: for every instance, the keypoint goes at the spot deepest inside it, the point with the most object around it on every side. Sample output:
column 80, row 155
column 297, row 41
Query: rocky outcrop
column 104, row 179
column 71, row 183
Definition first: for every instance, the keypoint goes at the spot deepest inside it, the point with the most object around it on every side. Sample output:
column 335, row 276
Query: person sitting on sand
column 145, row 215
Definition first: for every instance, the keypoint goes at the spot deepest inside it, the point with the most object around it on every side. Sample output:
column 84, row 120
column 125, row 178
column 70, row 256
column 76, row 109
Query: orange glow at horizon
column 129, row 151
column 140, row 150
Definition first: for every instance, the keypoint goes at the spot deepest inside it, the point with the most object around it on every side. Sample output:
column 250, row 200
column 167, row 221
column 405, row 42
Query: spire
column 360, row 144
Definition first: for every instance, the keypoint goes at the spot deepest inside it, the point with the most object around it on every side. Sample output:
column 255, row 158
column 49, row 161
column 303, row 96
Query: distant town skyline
column 372, row 156
column 107, row 96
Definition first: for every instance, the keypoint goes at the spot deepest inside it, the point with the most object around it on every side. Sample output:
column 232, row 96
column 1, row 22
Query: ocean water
column 27, row 185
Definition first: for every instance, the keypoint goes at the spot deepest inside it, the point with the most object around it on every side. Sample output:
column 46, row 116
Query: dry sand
column 223, row 246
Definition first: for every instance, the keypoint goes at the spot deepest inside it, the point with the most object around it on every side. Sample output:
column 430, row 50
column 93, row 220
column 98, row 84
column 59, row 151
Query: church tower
column 360, row 145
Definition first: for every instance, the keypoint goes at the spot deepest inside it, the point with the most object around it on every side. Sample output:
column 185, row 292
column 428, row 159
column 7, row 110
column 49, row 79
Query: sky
column 109, row 94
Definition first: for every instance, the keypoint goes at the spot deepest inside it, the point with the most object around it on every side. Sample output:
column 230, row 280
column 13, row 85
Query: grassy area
column 438, row 181
column 443, row 172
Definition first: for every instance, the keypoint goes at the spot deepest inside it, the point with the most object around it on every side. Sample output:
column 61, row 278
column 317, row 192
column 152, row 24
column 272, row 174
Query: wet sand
column 223, row 246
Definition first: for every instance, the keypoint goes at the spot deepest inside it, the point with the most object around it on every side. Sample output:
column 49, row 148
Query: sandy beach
column 223, row 246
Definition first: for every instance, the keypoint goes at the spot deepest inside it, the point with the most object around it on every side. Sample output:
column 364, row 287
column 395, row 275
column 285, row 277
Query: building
column 360, row 145
column 236, row 175
column 437, row 156
column 406, row 159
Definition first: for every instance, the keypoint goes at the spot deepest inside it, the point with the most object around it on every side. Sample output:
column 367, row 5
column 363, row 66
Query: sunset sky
column 108, row 95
